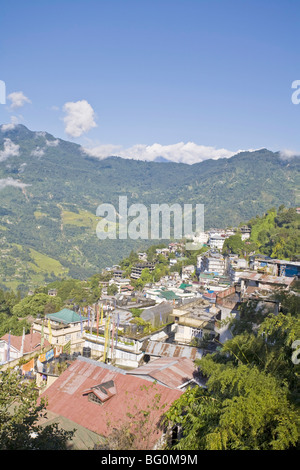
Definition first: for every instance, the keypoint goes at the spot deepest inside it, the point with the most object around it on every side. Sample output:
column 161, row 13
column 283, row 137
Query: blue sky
column 188, row 79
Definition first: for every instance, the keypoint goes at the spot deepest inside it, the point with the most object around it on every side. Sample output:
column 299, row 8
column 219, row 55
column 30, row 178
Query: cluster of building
column 152, row 336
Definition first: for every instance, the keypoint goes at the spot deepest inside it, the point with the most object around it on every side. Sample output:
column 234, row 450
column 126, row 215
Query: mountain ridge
column 53, row 211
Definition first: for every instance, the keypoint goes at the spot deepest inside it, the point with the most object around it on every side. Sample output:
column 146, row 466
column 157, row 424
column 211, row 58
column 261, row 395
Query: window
column 92, row 397
column 196, row 333
column 102, row 392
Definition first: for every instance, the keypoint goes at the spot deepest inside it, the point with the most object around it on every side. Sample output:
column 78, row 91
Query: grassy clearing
column 46, row 264
column 82, row 219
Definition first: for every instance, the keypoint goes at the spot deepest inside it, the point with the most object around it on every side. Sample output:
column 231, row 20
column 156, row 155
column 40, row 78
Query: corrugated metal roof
column 157, row 348
column 66, row 316
column 173, row 372
column 267, row 278
column 66, row 396
column 31, row 342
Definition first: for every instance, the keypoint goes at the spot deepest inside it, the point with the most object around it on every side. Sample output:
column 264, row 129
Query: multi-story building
column 120, row 282
column 245, row 232
column 136, row 270
column 65, row 325
column 275, row 267
column 236, row 267
column 216, row 241
column 213, row 263
column 194, row 320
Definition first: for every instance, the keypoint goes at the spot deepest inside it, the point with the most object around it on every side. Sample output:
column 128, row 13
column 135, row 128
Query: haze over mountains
column 50, row 190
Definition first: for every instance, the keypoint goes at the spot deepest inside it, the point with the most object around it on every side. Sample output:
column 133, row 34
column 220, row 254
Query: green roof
column 206, row 276
column 169, row 295
column 65, row 316
column 183, row 286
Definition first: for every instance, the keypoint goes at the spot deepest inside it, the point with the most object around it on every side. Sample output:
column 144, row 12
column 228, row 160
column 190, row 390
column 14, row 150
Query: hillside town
column 83, row 357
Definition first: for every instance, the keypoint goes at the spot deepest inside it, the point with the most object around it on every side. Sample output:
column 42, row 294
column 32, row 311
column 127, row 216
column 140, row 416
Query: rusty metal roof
column 157, row 348
column 32, row 342
column 172, row 372
column 266, row 278
column 67, row 396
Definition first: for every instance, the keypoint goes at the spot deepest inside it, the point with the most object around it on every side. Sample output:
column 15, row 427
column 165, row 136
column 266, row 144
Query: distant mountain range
column 50, row 190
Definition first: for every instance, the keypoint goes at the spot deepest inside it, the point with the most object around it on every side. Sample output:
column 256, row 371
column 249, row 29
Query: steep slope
column 50, row 190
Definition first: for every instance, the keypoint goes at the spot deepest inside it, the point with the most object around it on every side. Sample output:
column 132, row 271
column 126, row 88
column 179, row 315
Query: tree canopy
column 20, row 413
column 251, row 400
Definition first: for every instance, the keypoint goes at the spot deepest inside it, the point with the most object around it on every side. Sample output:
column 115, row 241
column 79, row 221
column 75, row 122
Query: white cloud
column 12, row 182
column 8, row 127
column 104, row 151
column 181, row 152
column 38, row 152
column 9, row 150
column 40, row 134
column 22, row 167
column 288, row 154
column 52, row 143
column 80, row 118
column 18, row 99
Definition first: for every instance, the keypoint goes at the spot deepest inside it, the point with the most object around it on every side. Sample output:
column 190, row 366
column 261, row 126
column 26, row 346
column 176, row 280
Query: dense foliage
column 252, row 397
column 20, row 413
column 275, row 234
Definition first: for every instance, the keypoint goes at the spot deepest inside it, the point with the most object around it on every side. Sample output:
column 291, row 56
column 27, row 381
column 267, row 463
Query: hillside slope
column 50, row 190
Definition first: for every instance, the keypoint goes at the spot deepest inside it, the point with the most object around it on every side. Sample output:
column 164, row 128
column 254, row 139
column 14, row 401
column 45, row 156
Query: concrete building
column 193, row 321
column 227, row 303
column 213, row 263
column 120, row 282
column 14, row 347
column 216, row 241
column 236, row 267
column 187, row 272
column 245, row 232
column 124, row 349
column 65, row 325
column 136, row 270
column 201, row 238
column 275, row 267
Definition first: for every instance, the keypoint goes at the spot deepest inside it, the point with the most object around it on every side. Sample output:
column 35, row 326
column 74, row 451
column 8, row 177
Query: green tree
column 242, row 408
column 112, row 289
column 34, row 305
column 233, row 244
column 252, row 395
column 20, row 413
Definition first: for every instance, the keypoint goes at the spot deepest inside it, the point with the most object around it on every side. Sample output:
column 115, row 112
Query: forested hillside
column 275, row 234
column 50, row 190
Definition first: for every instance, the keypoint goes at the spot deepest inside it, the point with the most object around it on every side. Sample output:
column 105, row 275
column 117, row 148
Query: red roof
column 32, row 342
column 68, row 396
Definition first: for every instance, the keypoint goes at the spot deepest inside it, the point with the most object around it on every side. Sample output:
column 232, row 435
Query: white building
column 245, row 232
column 236, row 267
column 201, row 238
column 216, row 241
column 187, row 271
column 119, row 282
column 14, row 347
column 213, row 263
